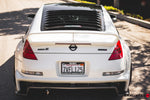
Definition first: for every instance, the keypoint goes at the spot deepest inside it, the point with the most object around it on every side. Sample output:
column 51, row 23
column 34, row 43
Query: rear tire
column 130, row 74
column 14, row 77
column 23, row 91
column 20, row 94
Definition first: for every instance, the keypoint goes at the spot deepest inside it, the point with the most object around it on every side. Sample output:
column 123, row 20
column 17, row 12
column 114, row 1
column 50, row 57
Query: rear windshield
column 72, row 20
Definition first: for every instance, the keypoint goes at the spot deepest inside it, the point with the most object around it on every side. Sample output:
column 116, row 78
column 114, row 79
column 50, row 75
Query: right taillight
column 117, row 53
column 28, row 52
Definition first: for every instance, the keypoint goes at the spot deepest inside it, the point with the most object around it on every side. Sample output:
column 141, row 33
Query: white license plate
column 72, row 68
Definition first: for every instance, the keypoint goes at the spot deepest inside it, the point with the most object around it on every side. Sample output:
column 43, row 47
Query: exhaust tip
column 47, row 92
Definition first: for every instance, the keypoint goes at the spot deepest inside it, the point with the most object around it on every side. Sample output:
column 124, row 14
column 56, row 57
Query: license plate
column 72, row 68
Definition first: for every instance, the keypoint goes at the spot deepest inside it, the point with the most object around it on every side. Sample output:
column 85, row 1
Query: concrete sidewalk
column 136, row 21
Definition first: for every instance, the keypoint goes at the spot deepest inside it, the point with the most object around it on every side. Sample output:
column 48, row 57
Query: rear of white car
column 70, row 58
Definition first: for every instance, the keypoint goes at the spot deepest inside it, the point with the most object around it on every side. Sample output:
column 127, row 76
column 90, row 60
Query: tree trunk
column 98, row 2
column 116, row 3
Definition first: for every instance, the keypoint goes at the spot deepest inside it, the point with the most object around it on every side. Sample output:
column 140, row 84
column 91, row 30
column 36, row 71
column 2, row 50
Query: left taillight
column 28, row 52
column 117, row 53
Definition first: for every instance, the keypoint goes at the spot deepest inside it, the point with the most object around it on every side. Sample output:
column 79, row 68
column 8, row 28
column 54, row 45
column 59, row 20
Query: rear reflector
column 28, row 52
column 112, row 73
column 117, row 53
column 32, row 73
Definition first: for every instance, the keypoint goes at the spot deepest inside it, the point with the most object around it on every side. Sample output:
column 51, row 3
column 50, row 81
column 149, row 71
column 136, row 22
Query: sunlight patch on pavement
column 8, row 45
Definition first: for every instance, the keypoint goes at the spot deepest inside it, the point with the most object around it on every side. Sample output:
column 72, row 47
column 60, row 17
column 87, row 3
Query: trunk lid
column 52, row 49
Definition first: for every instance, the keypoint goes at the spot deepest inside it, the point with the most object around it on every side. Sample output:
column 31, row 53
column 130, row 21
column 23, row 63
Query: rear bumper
column 26, row 82
column 119, row 87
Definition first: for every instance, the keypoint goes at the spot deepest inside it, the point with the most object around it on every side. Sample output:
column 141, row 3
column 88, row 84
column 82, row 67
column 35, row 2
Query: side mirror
column 31, row 16
column 114, row 18
column 22, row 39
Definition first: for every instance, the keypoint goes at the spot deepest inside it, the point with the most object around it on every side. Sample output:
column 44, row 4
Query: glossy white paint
column 50, row 38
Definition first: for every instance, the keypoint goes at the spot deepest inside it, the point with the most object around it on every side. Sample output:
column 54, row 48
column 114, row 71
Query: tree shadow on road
column 140, row 68
column 15, row 22
column 7, row 86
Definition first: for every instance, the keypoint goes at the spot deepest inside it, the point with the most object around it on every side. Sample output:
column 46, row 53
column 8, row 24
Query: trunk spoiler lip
column 73, row 42
column 74, row 32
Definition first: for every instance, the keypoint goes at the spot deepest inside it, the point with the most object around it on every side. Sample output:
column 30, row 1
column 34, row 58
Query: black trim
column 24, row 86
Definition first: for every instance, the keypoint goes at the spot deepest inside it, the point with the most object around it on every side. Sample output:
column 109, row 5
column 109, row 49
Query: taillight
column 117, row 53
column 28, row 52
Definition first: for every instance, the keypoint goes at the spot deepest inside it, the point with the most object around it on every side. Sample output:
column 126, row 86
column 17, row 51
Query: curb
column 136, row 21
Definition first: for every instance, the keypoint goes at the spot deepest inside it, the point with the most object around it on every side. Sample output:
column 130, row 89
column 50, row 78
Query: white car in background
column 72, row 46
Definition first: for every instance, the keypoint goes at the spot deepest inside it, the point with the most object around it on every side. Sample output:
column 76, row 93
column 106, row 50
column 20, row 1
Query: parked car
column 72, row 46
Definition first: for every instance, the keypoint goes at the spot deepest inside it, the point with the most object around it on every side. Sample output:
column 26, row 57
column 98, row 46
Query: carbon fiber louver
column 72, row 20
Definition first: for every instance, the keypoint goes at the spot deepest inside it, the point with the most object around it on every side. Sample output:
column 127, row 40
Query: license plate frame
column 72, row 68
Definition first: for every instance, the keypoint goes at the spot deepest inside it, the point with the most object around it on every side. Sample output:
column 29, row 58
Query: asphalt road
column 13, row 24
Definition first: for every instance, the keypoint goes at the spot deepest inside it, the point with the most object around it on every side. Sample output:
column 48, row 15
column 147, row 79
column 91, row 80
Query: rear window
column 72, row 20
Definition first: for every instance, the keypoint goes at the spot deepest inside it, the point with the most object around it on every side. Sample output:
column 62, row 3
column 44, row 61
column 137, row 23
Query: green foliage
column 134, row 15
column 83, row 1
column 111, row 8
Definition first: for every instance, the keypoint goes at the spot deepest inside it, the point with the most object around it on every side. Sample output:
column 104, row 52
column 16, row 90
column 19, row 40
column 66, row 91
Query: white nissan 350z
column 72, row 46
